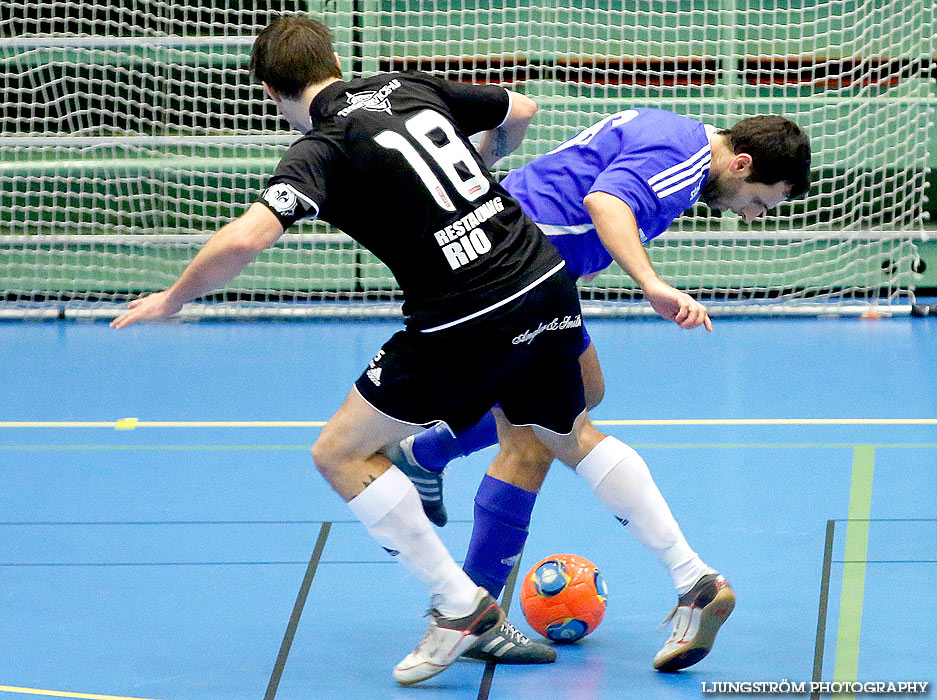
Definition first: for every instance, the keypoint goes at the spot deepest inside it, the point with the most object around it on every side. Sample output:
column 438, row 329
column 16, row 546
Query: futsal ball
column 564, row 597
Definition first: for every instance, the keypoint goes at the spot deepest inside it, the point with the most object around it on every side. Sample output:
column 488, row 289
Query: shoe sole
column 511, row 654
column 507, row 659
column 711, row 619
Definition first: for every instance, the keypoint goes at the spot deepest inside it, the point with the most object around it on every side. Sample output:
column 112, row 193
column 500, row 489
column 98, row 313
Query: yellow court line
column 853, row 582
column 131, row 423
column 63, row 694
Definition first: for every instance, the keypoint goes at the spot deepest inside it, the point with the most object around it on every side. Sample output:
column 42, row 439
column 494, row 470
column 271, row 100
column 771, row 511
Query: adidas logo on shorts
column 374, row 374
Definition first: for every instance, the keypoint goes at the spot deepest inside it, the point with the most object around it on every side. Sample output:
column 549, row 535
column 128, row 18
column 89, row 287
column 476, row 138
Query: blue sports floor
column 160, row 515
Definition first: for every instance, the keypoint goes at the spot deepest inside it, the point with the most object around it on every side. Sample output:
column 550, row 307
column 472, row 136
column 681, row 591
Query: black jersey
column 388, row 162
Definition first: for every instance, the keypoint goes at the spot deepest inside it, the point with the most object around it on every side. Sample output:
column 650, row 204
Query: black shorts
column 523, row 356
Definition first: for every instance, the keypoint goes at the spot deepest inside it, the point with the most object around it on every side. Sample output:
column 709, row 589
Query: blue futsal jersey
column 653, row 160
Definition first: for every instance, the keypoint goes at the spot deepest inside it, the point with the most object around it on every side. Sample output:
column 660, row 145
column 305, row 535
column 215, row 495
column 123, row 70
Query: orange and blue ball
column 564, row 597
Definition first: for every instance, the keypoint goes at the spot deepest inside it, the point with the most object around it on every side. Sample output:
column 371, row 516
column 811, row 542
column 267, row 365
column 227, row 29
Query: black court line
column 822, row 610
column 825, row 580
column 297, row 612
column 485, row 688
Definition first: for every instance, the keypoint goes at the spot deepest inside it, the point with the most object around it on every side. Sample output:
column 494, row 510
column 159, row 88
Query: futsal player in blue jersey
column 600, row 196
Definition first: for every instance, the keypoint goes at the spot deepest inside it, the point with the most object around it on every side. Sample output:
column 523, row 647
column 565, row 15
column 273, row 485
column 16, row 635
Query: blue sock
column 483, row 434
column 436, row 447
column 502, row 515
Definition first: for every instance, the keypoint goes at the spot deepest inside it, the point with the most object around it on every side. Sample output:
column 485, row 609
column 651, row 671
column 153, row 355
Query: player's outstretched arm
column 223, row 256
column 618, row 230
column 500, row 142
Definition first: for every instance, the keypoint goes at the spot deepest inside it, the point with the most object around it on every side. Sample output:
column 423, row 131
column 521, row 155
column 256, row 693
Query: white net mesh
column 130, row 130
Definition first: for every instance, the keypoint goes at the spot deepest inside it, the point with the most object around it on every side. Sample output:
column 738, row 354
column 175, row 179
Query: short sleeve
column 474, row 107
column 620, row 180
column 298, row 188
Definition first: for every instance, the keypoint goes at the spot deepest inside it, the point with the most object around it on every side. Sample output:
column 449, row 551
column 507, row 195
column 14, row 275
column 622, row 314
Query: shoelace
column 512, row 633
column 432, row 613
column 668, row 618
column 680, row 622
column 681, row 603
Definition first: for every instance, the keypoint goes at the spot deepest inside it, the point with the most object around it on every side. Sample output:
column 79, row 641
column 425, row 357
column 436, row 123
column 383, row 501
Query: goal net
column 130, row 130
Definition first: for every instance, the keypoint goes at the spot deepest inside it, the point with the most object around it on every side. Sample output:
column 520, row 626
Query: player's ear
column 741, row 165
column 338, row 61
column 271, row 93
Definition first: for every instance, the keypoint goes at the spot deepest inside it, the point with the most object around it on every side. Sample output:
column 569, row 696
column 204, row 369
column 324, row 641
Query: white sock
column 623, row 483
column 390, row 508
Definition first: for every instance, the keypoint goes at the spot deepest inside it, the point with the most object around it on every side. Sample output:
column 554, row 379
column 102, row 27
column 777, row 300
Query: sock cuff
column 446, row 570
column 596, row 465
column 509, row 503
column 380, row 497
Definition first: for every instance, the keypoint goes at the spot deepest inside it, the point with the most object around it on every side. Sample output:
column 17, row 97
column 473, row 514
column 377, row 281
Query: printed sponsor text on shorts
column 556, row 324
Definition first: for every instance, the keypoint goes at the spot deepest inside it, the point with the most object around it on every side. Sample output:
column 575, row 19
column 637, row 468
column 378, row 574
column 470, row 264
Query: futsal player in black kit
column 491, row 317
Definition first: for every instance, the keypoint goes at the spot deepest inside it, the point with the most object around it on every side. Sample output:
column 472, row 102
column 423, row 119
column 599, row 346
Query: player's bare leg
column 622, row 482
column 386, row 502
column 593, row 383
column 522, row 460
column 347, row 451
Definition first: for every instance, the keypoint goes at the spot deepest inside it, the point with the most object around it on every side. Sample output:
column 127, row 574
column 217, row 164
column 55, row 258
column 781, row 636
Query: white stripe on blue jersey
column 552, row 230
column 704, row 151
column 683, row 179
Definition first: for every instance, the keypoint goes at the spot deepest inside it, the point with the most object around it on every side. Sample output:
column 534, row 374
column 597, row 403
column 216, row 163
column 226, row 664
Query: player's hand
column 152, row 307
column 676, row 306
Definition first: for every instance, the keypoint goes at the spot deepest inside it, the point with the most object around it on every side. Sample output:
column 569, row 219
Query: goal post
column 130, row 131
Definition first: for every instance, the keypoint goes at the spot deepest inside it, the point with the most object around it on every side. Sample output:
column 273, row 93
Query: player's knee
column 327, row 455
column 320, row 457
column 572, row 448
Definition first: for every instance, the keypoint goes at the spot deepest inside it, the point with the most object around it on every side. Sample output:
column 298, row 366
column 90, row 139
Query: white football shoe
column 447, row 638
column 699, row 614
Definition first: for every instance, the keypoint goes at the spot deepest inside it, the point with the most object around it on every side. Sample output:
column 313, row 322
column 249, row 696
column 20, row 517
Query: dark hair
column 291, row 52
column 780, row 151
